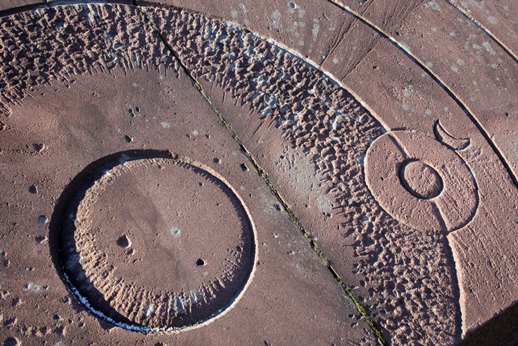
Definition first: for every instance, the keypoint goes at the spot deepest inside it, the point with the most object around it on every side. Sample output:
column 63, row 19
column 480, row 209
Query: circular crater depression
column 150, row 241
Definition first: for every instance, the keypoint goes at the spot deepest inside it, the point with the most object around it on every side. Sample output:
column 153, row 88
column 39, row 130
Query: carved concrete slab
column 130, row 214
column 346, row 184
column 431, row 109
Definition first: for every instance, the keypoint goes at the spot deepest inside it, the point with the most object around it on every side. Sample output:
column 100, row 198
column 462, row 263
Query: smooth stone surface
column 420, row 179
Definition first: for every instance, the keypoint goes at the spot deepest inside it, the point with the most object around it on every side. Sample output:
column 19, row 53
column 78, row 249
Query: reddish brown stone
column 9, row 4
column 400, row 91
column 397, row 165
column 96, row 75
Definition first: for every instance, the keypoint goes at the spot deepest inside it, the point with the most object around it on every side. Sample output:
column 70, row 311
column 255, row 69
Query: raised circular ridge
column 349, row 138
column 420, row 179
column 99, row 251
column 411, row 199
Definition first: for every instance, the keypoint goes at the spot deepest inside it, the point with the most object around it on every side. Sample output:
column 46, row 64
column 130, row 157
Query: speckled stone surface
column 364, row 155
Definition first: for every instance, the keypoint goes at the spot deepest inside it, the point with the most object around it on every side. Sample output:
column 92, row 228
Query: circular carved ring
column 151, row 241
column 421, row 182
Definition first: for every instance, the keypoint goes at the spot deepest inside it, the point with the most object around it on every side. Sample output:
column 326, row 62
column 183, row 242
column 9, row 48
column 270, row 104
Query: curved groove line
column 264, row 175
column 452, row 265
column 485, row 30
column 438, row 80
column 138, row 305
column 475, row 209
column 448, row 249
column 261, row 171
column 282, row 46
column 125, row 161
column 397, row 142
column 467, row 111
column 63, row 274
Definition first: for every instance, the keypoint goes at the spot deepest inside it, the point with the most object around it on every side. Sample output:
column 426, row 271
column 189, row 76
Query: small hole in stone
column 175, row 232
column 200, row 262
column 39, row 147
column 123, row 242
column 33, row 189
column 42, row 219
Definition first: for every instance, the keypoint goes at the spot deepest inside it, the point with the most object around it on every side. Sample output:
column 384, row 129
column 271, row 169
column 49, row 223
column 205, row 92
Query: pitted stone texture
column 366, row 242
column 83, row 117
column 10, row 4
column 406, row 96
column 317, row 117
column 144, row 214
column 29, row 59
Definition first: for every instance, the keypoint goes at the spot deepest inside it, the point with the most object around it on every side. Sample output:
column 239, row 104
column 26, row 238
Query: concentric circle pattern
column 383, row 145
column 419, row 181
column 289, row 100
column 156, row 243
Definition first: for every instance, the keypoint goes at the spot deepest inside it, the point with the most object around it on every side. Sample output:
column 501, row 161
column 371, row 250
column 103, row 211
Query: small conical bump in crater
column 175, row 232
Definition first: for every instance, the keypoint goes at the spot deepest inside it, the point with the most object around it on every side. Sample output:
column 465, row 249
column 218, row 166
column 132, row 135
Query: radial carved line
column 273, row 189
